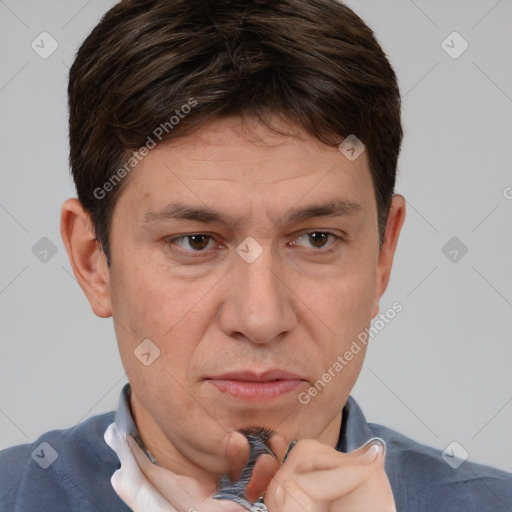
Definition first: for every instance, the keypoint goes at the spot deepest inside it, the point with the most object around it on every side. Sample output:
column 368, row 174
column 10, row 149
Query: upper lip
column 249, row 376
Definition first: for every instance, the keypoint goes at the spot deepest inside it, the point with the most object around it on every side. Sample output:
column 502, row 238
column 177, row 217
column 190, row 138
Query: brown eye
column 192, row 243
column 198, row 242
column 318, row 239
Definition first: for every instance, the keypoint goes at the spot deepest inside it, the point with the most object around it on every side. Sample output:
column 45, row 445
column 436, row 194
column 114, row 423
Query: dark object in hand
column 258, row 439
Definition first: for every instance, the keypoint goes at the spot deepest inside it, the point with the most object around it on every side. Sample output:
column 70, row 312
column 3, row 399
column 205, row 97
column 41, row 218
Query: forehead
column 237, row 166
column 231, row 148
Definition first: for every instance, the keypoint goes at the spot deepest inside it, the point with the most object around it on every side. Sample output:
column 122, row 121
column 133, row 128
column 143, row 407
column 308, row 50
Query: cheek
column 345, row 308
column 148, row 302
column 342, row 303
column 149, row 299
column 355, row 298
column 144, row 308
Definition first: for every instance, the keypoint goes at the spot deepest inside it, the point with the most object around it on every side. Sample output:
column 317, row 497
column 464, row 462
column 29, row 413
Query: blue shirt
column 70, row 470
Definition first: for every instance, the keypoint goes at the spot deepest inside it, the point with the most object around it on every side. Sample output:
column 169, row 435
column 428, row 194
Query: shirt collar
column 126, row 424
column 354, row 428
column 124, row 418
column 353, row 434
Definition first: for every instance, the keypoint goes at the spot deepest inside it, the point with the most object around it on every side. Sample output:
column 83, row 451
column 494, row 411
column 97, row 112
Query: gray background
column 439, row 372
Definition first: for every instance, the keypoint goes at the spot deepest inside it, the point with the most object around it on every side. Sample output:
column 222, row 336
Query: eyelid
column 172, row 239
column 338, row 238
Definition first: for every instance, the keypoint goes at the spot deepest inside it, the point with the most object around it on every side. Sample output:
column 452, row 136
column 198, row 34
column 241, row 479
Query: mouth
column 256, row 387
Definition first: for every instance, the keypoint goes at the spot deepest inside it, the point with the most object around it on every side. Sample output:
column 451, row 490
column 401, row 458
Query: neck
column 169, row 457
column 164, row 451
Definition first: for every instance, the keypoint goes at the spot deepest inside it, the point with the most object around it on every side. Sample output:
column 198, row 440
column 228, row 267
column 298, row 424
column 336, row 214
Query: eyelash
column 329, row 249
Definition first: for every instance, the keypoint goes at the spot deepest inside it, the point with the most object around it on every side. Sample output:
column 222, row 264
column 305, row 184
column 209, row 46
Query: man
column 235, row 165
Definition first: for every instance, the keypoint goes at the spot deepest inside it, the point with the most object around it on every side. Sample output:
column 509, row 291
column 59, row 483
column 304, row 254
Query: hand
column 317, row 478
column 177, row 493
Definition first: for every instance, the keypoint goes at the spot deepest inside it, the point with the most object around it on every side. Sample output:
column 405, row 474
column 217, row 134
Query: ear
column 86, row 257
column 394, row 224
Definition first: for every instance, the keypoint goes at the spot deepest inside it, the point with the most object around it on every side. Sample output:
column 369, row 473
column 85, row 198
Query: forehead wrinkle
column 243, row 178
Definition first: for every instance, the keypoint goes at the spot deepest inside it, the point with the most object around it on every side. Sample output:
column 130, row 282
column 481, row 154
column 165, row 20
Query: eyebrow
column 182, row 211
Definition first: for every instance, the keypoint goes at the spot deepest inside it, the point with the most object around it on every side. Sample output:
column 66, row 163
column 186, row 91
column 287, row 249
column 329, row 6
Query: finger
column 290, row 497
column 263, row 472
column 278, row 444
column 355, row 471
column 266, row 467
column 369, row 447
column 323, row 473
column 237, row 455
column 310, row 456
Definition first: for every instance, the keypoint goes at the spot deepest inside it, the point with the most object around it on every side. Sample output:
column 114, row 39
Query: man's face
column 222, row 321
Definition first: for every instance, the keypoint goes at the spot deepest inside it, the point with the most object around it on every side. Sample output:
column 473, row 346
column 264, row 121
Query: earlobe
column 86, row 257
column 394, row 225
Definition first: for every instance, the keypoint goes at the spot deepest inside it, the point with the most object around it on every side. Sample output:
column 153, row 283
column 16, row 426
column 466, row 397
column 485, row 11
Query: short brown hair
column 314, row 61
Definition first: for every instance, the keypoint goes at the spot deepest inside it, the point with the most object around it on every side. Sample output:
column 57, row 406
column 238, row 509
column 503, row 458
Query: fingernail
column 375, row 448
column 279, row 496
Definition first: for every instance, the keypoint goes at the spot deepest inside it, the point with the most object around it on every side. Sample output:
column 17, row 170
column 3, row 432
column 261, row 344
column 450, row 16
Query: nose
column 259, row 305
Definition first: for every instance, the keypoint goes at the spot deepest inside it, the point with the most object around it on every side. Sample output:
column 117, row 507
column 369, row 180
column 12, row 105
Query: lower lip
column 256, row 391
